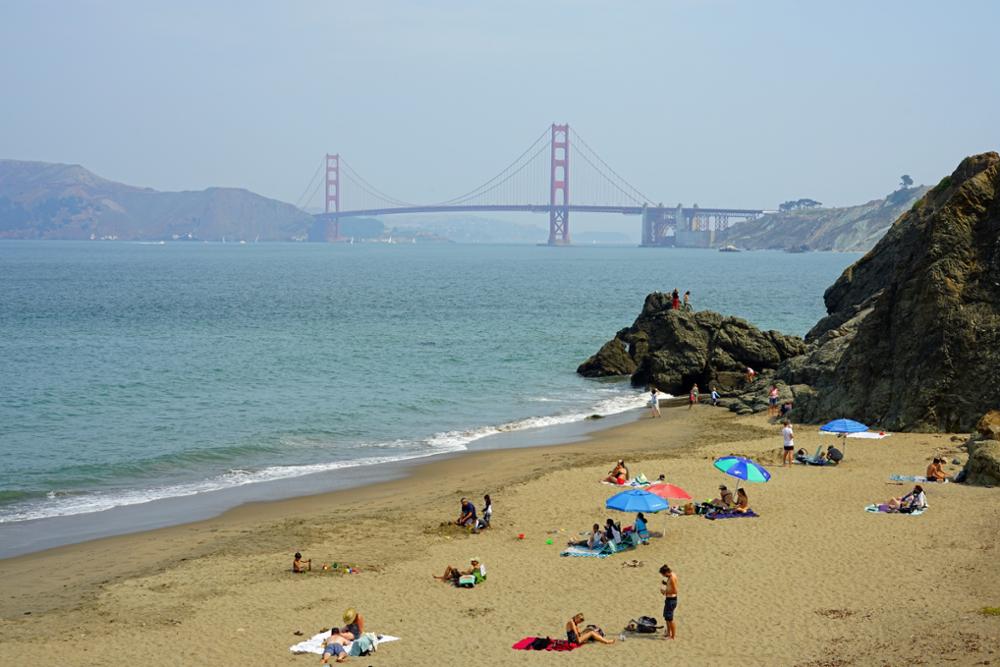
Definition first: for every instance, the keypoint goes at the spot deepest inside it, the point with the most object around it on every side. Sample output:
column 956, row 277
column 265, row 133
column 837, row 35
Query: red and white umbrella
column 668, row 491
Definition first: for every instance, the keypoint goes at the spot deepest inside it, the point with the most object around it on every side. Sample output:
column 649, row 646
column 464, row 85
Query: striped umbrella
column 741, row 468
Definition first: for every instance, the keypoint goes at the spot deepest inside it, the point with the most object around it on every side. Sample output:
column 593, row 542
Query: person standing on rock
column 687, row 301
column 675, row 300
column 654, row 402
column 772, row 401
column 789, row 438
column 751, row 375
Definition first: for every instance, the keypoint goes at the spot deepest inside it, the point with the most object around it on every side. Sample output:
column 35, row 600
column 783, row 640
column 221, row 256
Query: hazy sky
column 721, row 103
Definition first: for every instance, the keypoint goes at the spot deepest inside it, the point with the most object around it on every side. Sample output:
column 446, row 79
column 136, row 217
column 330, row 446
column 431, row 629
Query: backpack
column 645, row 625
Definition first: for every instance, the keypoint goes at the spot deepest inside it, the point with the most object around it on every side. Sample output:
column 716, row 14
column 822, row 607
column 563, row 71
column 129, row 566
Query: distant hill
column 40, row 200
column 848, row 228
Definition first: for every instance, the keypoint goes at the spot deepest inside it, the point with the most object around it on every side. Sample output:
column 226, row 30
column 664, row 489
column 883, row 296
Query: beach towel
column 637, row 482
column 315, row 643
column 914, row 478
column 553, row 644
column 606, row 550
column 749, row 514
column 884, row 509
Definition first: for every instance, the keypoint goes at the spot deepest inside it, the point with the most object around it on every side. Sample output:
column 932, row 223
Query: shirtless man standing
column 669, row 591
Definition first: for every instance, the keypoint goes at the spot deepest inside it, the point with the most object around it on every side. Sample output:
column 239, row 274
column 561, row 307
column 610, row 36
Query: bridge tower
column 559, row 186
column 333, row 195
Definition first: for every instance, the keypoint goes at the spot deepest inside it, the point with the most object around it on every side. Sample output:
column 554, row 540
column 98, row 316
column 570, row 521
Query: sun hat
column 350, row 615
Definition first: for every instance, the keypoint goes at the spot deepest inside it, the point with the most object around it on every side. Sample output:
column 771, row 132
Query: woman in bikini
column 618, row 475
column 742, row 502
column 575, row 636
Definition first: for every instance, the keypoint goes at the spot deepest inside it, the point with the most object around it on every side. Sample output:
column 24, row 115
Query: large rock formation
column 673, row 349
column 916, row 321
column 911, row 340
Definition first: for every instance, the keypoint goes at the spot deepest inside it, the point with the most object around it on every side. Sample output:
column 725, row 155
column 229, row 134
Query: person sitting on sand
column 476, row 569
column 785, row 409
column 354, row 624
column 935, row 471
column 914, row 500
column 612, row 531
column 742, row 502
column 467, row 517
column 574, row 635
column 299, row 565
column 639, row 527
column 618, row 474
column 725, row 499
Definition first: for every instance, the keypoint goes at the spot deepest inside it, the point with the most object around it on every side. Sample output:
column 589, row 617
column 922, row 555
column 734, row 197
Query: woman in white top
column 914, row 500
column 654, row 402
column 487, row 513
column 789, row 438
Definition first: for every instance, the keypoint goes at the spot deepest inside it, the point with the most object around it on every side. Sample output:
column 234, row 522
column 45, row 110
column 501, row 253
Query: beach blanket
column 315, row 643
column 914, row 478
column 749, row 514
column 553, row 645
column 635, row 483
column 608, row 549
column 884, row 509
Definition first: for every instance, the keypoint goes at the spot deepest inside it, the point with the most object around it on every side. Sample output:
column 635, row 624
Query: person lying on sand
column 935, row 471
column 299, row 565
column 725, row 499
column 591, row 633
column 618, row 474
column 452, row 574
column 742, row 502
column 334, row 646
column 914, row 500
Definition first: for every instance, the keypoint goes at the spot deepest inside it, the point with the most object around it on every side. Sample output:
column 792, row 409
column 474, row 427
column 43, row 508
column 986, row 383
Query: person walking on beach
column 789, row 438
column 654, row 402
column 669, row 591
column 715, row 397
column 693, row 396
column 687, row 301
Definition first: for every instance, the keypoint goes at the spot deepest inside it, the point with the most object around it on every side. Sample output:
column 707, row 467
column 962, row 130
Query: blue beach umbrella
column 843, row 426
column 741, row 468
column 636, row 500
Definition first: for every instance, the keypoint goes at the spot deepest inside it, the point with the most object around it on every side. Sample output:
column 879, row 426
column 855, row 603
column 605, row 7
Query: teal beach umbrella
column 741, row 468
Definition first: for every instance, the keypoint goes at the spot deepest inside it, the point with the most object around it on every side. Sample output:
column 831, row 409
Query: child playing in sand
column 299, row 565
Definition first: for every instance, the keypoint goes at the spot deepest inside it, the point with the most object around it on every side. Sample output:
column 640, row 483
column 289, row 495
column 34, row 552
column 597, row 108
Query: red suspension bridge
column 537, row 181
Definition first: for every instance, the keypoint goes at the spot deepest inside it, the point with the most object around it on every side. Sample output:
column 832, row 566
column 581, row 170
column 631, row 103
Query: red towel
column 554, row 645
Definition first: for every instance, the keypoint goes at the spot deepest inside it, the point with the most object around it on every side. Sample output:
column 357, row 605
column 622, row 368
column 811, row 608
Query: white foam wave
column 61, row 503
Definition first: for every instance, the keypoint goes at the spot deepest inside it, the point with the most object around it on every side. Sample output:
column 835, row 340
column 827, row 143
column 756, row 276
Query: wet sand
column 813, row 581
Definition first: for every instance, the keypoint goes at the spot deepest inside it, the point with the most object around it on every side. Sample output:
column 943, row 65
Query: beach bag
column 540, row 643
column 467, row 581
column 645, row 625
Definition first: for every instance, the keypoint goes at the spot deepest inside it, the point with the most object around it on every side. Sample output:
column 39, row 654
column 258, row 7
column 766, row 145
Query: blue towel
column 749, row 514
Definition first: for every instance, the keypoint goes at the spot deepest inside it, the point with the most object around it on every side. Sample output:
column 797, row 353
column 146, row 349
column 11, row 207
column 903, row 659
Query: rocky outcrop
column 673, row 349
column 983, row 466
column 911, row 340
column 924, row 306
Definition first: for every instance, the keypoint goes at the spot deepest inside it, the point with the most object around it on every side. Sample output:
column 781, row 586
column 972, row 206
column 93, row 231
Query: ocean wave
column 67, row 503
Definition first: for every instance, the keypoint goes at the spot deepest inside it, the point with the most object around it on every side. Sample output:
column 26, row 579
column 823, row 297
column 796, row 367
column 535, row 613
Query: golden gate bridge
column 537, row 181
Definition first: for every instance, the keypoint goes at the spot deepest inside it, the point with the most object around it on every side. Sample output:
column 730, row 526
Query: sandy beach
column 813, row 581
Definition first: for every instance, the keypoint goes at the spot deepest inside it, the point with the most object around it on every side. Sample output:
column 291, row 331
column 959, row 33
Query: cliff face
column 847, row 228
column 58, row 201
column 926, row 306
column 912, row 336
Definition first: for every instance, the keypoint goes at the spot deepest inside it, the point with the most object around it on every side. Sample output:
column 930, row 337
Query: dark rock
column 925, row 308
column 673, row 349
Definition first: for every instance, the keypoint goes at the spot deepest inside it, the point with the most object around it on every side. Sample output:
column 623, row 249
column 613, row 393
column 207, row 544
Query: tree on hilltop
column 905, row 181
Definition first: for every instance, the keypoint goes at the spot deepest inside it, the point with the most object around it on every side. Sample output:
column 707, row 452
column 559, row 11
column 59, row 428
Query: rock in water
column 924, row 306
column 672, row 349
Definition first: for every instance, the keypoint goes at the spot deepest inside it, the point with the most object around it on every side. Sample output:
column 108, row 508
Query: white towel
column 315, row 643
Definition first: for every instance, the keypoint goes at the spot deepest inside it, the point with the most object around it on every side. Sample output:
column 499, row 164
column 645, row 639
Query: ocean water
column 131, row 372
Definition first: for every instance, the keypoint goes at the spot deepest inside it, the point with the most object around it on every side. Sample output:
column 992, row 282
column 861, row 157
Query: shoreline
column 20, row 538
column 219, row 590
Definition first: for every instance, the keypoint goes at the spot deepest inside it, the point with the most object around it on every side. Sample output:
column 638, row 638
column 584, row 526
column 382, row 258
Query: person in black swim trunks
column 576, row 636
column 669, row 592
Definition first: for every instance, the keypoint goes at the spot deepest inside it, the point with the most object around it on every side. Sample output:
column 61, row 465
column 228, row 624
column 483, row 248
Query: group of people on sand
column 935, row 471
column 578, row 634
column 694, row 396
column 612, row 533
column 467, row 517
column 726, row 502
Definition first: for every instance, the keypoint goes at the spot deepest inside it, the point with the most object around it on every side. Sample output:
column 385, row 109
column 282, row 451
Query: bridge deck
column 529, row 208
